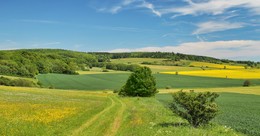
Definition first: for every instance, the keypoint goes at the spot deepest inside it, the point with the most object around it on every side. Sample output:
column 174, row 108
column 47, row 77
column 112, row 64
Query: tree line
column 172, row 56
column 30, row 62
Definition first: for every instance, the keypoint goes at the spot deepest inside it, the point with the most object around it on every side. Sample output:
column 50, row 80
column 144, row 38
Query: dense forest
column 30, row 62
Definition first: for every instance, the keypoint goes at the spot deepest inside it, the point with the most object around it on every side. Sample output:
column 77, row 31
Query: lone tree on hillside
column 197, row 108
column 140, row 83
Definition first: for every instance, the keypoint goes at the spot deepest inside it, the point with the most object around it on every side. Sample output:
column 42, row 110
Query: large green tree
column 140, row 83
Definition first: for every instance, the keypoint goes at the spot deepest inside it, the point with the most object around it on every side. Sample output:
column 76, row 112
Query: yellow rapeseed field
column 212, row 65
column 236, row 74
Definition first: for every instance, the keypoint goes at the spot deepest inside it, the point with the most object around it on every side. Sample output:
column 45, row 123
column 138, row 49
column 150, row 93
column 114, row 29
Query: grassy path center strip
column 77, row 131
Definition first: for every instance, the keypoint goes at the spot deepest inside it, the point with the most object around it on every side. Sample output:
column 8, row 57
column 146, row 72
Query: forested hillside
column 30, row 62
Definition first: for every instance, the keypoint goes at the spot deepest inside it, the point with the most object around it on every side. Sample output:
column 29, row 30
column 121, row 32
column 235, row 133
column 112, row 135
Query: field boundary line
column 85, row 125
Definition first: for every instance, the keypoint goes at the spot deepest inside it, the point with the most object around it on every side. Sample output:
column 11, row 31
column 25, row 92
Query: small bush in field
column 116, row 90
column 247, row 83
column 168, row 87
column 105, row 70
column 197, row 108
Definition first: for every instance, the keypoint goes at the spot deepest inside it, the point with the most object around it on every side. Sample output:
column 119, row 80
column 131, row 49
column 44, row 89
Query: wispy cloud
column 212, row 26
column 130, row 4
column 39, row 21
column 235, row 49
column 117, row 7
column 151, row 7
column 213, row 7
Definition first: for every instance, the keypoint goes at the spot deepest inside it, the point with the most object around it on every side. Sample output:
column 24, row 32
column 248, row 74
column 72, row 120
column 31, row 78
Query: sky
column 226, row 29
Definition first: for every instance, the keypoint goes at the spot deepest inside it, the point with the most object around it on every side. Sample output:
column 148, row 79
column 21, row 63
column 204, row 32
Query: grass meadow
column 44, row 112
column 34, row 111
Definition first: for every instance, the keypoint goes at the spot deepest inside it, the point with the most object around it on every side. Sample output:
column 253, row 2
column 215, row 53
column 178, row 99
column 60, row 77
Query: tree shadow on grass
column 173, row 124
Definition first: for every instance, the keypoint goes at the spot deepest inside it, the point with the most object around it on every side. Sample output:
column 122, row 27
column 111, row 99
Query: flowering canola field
column 235, row 74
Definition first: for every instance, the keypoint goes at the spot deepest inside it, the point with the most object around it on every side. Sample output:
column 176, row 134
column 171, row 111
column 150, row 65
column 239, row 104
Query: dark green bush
column 116, row 90
column 140, row 83
column 197, row 108
column 168, row 87
column 247, row 83
column 105, row 70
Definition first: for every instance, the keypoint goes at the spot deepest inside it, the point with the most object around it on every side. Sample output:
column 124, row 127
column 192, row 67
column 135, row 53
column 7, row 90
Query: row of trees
column 173, row 56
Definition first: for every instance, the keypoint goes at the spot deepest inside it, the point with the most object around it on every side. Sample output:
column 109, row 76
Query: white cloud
column 151, row 7
column 235, row 49
column 211, row 26
column 115, row 9
column 213, row 7
column 131, row 4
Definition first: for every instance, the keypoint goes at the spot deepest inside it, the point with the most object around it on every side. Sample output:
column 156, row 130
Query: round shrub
column 197, row 108
column 140, row 83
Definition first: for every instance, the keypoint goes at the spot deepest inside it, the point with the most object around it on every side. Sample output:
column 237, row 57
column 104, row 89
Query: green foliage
column 168, row 87
column 116, row 91
column 16, row 82
column 105, row 70
column 173, row 57
column 140, row 83
column 122, row 67
column 197, row 108
column 247, row 83
column 28, row 63
column 237, row 111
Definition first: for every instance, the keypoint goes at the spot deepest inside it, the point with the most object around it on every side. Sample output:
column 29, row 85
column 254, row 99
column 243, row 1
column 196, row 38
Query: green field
column 30, row 111
column 117, row 80
column 237, row 111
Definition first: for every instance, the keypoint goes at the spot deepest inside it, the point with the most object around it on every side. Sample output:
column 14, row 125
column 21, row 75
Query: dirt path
column 77, row 131
column 118, row 120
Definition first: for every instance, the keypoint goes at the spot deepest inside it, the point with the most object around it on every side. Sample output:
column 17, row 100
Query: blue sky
column 219, row 28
